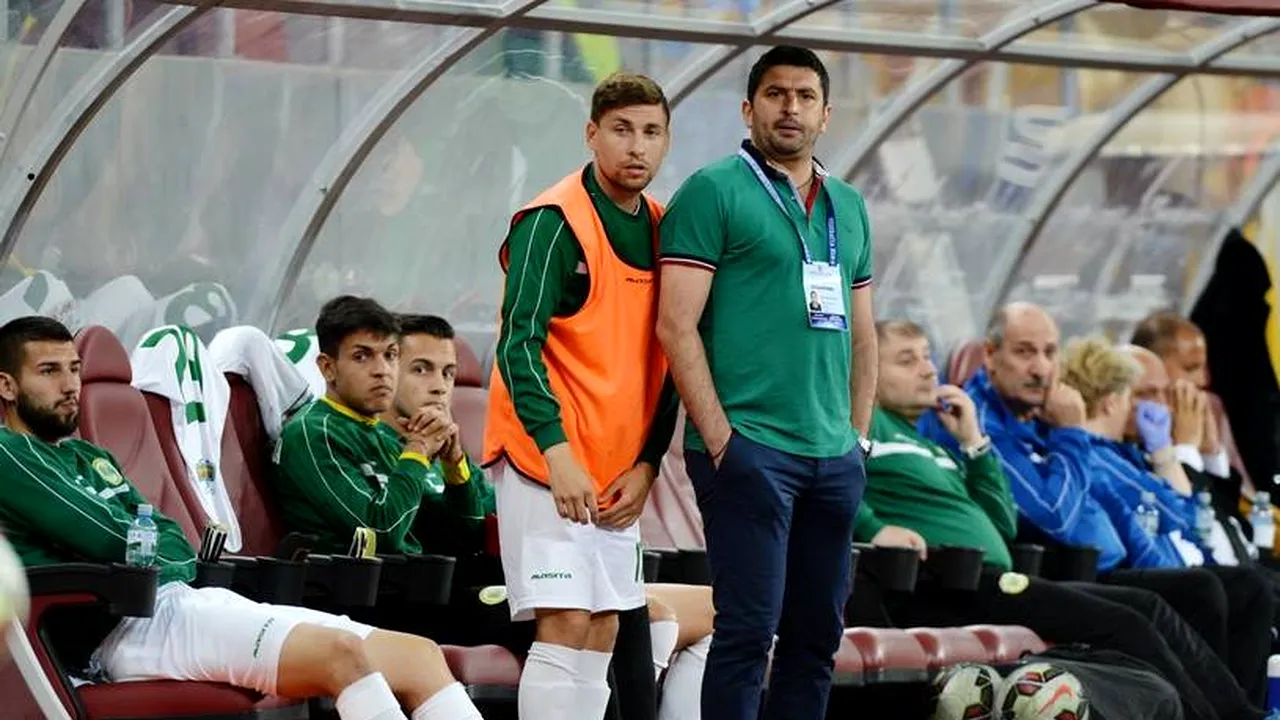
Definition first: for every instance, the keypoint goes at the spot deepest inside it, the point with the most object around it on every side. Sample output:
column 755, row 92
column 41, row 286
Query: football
column 966, row 692
column 14, row 600
column 1041, row 691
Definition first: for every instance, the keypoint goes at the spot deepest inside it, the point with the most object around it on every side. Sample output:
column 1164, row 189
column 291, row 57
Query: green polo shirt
column 916, row 484
column 781, row 383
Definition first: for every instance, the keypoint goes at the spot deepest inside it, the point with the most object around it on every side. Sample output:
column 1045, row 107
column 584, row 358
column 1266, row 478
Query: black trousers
column 1135, row 622
column 1232, row 608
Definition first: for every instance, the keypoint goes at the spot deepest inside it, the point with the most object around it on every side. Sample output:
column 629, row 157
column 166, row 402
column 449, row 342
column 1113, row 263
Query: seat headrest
column 965, row 361
column 102, row 357
column 469, row 372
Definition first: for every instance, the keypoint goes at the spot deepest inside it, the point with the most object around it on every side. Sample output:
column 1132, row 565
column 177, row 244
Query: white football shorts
column 552, row 563
column 209, row 635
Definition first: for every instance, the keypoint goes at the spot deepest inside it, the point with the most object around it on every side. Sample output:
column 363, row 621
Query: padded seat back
column 248, row 472
column 965, row 361
column 470, row 400
column 115, row 416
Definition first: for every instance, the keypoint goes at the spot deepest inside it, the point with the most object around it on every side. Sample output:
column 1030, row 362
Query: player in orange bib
column 580, row 410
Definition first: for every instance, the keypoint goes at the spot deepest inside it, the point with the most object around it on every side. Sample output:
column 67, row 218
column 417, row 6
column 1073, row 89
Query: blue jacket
column 1049, row 471
column 1120, row 478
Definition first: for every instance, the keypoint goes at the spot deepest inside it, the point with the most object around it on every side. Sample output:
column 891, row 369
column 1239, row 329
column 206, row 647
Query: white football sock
column 450, row 703
column 682, row 690
column 663, row 634
column 593, row 685
column 547, row 688
column 369, row 698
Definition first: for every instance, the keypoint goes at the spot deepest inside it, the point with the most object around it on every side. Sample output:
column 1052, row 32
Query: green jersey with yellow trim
column 69, row 502
column 337, row 470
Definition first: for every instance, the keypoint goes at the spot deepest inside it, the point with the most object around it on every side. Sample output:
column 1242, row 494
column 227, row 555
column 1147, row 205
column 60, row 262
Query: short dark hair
column 788, row 56
column 622, row 89
column 901, row 328
column 346, row 315
column 15, row 334
column 433, row 325
column 1156, row 332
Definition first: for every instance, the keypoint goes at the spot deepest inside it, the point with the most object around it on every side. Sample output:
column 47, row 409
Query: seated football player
column 67, row 500
column 448, row 522
column 920, row 494
column 340, row 467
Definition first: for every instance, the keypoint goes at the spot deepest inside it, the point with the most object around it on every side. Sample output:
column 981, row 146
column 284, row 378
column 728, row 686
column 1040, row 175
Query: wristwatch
column 865, row 446
column 978, row 449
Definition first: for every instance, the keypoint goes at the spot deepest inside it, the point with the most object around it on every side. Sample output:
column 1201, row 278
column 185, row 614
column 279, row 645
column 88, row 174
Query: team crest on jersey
column 108, row 472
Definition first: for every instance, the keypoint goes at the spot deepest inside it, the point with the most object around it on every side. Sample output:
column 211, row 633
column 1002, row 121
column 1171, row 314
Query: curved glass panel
column 709, row 125
column 1116, row 26
column 948, row 190
column 942, row 18
column 420, row 224
column 1128, row 237
column 22, row 25
column 168, row 208
column 1268, row 44
column 728, row 10
column 98, row 34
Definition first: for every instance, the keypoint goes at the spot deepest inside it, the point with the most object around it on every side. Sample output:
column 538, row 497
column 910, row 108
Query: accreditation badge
column 824, row 293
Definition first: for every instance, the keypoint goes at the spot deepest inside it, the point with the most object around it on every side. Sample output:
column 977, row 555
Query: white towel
column 247, row 351
column 172, row 362
column 302, row 348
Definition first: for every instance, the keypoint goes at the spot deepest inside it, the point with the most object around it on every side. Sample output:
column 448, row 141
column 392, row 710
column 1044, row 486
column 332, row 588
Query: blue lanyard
column 833, row 244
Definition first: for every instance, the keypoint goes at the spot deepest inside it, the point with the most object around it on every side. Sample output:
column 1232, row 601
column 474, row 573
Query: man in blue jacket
column 1036, row 425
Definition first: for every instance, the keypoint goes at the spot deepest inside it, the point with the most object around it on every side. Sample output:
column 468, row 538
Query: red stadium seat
column 965, row 361
column 470, row 400
column 950, row 646
column 849, row 666
column 246, row 470
column 489, row 672
column 115, row 415
column 889, row 655
column 1007, row 643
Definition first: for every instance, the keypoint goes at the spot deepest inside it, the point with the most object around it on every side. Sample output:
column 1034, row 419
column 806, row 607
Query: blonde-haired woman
column 1104, row 376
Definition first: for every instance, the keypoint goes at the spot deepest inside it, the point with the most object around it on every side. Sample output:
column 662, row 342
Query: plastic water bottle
column 1264, row 525
column 1273, row 683
column 140, row 543
column 1148, row 515
column 1205, row 518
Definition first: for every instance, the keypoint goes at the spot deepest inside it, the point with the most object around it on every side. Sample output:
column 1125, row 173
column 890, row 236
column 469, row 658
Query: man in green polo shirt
column 339, row 467
column 765, row 316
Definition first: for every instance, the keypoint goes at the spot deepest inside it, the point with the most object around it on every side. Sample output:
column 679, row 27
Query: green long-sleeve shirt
column 70, row 502
column 547, row 278
column 337, row 470
column 916, row 484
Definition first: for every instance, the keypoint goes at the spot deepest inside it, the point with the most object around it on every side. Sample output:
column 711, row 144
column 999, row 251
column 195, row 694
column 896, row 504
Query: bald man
column 1035, row 423
column 1194, row 431
column 1180, row 346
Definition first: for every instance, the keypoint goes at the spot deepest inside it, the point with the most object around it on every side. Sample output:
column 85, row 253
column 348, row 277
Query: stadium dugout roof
column 286, row 150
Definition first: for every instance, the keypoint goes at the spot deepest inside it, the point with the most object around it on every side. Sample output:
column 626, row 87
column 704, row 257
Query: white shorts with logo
column 550, row 562
column 209, row 635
